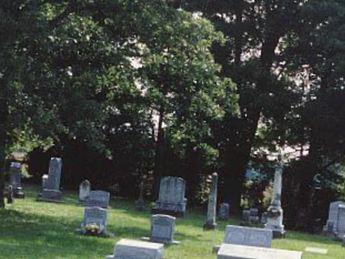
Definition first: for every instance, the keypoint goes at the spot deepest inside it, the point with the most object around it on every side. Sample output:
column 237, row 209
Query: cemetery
column 172, row 129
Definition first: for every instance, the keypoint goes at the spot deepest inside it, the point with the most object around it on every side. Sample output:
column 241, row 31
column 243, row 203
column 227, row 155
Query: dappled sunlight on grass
column 31, row 229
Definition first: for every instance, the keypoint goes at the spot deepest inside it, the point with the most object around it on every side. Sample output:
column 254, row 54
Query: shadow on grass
column 26, row 235
column 324, row 240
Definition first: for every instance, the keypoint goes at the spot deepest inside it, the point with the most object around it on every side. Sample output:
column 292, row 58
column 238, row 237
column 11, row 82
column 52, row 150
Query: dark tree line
column 133, row 89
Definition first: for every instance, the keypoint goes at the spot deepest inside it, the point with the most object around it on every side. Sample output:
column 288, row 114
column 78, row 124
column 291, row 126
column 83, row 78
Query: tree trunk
column 239, row 155
column 3, row 141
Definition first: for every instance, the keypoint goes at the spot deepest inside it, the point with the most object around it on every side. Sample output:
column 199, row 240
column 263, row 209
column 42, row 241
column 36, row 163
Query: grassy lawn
column 31, row 229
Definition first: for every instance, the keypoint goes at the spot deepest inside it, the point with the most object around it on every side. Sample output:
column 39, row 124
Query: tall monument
column 275, row 211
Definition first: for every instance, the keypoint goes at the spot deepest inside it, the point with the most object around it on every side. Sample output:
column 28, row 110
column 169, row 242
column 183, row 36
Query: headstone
column 254, row 216
column 95, row 221
column 98, row 199
column 224, row 211
column 264, row 218
column 171, row 198
column 51, row 182
column 336, row 219
column 275, row 211
column 245, row 216
column 343, row 240
column 16, row 180
column 133, row 249
column 84, row 190
column 162, row 229
column 212, row 204
column 229, row 251
column 248, row 236
column 140, row 204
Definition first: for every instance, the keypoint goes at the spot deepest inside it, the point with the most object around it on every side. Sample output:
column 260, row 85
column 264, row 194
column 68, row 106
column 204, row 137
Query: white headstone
column 248, row 236
column 133, row 249
column 228, row 251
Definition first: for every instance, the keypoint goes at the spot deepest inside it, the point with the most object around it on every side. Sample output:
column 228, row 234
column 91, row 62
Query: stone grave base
column 50, row 196
column 173, row 213
column 228, row 251
column 104, row 234
column 210, row 226
column 147, row 239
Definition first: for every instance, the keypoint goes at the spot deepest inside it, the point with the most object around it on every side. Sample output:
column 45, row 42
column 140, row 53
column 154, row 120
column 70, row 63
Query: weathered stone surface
column 98, row 199
column 162, row 229
column 140, row 204
column 16, row 180
column 336, row 219
column 275, row 212
column 212, row 204
column 224, row 211
column 54, row 174
column 94, row 216
column 132, row 249
column 248, row 236
column 84, row 190
column 228, row 251
column 51, row 182
column 171, row 198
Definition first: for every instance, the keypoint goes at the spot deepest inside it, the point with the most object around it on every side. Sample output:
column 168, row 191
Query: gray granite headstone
column 84, row 190
column 224, row 211
column 94, row 216
column 248, row 236
column 16, row 179
column 171, row 198
column 54, row 174
column 162, row 229
column 51, row 182
column 336, row 219
column 133, row 249
column 275, row 213
column 140, row 204
column 212, row 204
column 98, row 199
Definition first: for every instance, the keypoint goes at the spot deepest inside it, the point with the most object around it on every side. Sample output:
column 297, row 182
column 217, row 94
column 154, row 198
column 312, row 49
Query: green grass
column 31, row 229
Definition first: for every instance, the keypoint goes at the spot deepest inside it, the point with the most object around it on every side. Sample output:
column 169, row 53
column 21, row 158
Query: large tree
column 255, row 32
column 87, row 71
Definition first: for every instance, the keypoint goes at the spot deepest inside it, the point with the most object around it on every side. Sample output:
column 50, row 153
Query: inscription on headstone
column 98, row 199
column 248, row 236
column 95, row 221
column 162, row 228
column 171, row 198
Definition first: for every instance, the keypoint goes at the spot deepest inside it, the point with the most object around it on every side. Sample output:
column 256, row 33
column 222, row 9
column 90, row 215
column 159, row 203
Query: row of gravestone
column 172, row 200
